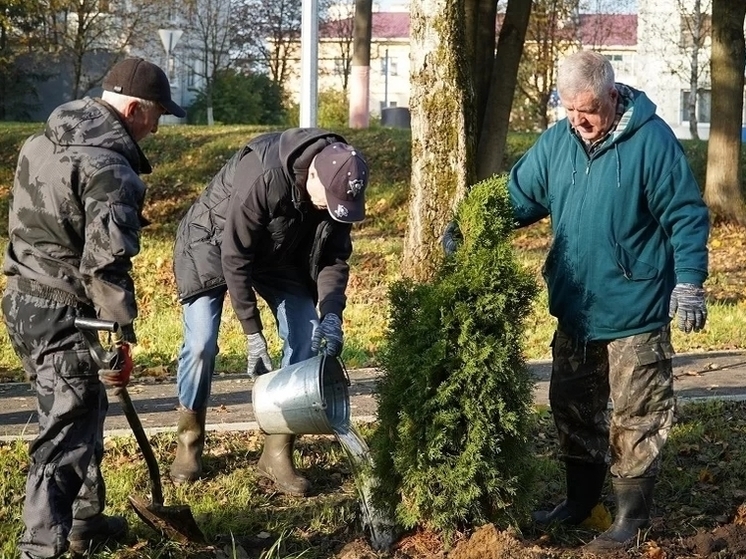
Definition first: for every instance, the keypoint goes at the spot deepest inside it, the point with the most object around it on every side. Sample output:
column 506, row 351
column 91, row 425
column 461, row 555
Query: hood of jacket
column 90, row 122
column 295, row 154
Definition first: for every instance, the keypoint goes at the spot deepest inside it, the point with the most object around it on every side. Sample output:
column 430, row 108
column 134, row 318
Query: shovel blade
column 175, row 522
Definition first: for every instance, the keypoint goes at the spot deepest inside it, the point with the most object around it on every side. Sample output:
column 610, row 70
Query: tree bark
column 443, row 128
column 723, row 193
column 494, row 133
column 359, row 112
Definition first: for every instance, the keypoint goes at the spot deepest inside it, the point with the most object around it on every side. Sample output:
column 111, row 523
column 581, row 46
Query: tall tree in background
column 266, row 36
column 209, row 29
column 77, row 30
column 338, row 24
column 359, row 92
column 453, row 42
column 18, row 21
column 683, row 48
column 723, row 192
column 494, row 130
column 553, row 30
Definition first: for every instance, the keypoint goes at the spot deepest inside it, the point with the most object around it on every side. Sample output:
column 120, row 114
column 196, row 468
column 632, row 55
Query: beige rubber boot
column 190, row 436
column 276, row 463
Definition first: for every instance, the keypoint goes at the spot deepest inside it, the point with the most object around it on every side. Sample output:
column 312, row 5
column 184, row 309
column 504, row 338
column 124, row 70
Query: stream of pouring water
column 378, row 524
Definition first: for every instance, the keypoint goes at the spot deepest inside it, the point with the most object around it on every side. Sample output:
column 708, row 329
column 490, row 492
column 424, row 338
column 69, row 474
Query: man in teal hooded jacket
column 629, row 252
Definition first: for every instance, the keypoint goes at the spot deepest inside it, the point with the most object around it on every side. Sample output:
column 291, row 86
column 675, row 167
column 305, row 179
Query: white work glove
column 258, row 361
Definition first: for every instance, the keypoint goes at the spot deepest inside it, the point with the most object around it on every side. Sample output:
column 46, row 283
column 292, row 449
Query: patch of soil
column 723, row 542
column 490, row 543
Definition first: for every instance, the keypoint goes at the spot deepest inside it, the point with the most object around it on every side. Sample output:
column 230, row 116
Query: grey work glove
column 688, row 306
column 451, row 238
column 328, row 334
column 259, row 361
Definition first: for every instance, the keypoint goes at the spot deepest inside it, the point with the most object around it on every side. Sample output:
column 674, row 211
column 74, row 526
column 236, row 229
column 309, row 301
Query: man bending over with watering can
column 275, row 221
column 75, row 219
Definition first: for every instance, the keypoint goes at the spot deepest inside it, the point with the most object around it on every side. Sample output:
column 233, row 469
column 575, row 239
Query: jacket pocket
column 124, row 230
column 317, row 249
column 654, row 352
column 632, row 268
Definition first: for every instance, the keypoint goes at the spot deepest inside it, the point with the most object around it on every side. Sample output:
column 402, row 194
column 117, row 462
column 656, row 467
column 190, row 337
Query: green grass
column 701, row 486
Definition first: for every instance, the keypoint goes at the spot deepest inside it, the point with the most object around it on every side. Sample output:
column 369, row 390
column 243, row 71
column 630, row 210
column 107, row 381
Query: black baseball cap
column 344, row 173
column 139, row 78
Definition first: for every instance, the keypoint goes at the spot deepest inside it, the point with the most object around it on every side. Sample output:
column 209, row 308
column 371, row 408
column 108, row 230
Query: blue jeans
column 295, row 313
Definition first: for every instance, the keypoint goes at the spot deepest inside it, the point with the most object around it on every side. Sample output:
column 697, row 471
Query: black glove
column 688, row 305
column 329, row 331
column 258, row 361
column 451, row 238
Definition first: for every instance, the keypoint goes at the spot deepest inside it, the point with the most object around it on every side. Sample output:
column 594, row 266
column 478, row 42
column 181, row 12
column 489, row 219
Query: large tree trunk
column 443, row 125
column 723, row 193
column 480, row 39
column 494, row 133
column 359, row 111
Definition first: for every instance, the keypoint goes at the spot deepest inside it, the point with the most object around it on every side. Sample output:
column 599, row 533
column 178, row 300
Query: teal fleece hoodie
column 629, row 222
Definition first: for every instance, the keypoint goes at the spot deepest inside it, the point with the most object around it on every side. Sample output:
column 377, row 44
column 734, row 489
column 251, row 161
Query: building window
column 389, row 67
column 614, row 57
column 339, row 67
column 704, row 103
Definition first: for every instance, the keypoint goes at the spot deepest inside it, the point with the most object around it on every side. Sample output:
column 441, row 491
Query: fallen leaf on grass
column 652, row 551
column 600, row 519
column 705, row 476
column 740, row 518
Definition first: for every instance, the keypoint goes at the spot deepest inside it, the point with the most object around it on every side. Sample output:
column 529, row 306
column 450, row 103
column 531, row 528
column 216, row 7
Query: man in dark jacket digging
column 74, row 226
column 275, row 221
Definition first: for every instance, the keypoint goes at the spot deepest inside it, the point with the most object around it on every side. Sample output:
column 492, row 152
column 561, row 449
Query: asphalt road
column 697, row 376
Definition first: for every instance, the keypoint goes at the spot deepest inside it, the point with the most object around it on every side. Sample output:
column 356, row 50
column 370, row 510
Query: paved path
column 697, row 376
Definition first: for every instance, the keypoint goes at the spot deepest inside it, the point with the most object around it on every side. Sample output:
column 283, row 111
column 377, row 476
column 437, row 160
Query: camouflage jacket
column 76, row 207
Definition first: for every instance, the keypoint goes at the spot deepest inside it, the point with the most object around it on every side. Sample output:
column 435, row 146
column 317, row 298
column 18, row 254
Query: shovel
column 176, row 521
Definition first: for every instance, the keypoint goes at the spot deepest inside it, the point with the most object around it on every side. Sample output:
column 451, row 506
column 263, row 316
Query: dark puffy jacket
column 75, row 220
column 261, row 192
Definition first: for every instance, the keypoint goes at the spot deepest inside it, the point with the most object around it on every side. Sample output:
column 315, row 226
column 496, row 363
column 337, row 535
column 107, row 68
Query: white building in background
column 647, row 49
column 664, row 55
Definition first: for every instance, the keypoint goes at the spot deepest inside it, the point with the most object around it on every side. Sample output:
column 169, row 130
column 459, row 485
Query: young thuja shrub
column 451, row 448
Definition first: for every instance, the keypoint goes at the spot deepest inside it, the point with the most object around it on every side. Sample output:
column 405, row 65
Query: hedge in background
column 455, row 400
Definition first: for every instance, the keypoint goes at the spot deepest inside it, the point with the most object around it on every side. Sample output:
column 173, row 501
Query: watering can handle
column 344, row 369
column 89, row 327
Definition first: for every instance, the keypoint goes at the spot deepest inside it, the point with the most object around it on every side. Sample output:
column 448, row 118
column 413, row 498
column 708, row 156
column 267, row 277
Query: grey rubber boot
column 634, row 502
column 87, row 535
column 190, row 441
column 276, row 463
column 585, row 481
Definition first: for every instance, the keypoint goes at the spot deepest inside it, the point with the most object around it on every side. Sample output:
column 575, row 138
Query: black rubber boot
column 87, row 535
column 276, row 463
column 634, row 502
column 190, row 441
column 585, row 481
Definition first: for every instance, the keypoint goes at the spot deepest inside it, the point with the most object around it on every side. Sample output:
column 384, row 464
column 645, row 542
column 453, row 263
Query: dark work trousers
column 64, row 480
column 636, row 374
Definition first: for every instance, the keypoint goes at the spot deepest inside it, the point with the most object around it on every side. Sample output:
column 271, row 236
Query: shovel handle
column 89, row 328
column 156, row 488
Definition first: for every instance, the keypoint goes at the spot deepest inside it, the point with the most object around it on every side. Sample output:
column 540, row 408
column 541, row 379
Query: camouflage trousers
column 64, row 479
column 636, row 374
